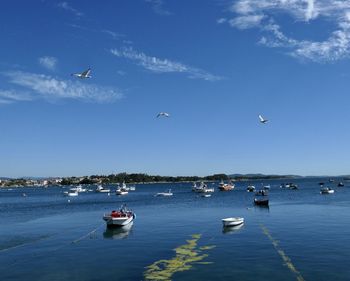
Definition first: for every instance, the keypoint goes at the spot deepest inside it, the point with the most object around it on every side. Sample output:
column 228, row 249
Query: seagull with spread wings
column 164, row 114
column 83, row 75
column 263, row 120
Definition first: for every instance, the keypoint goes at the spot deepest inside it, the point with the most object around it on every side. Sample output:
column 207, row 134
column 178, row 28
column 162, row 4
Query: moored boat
column 120, row 217
column 340, row 184
column 102, row 189
column 165, row 194
column 251, row 188
column 226, row 186
column 232, row 221
column 121, row 191
column 326, row 190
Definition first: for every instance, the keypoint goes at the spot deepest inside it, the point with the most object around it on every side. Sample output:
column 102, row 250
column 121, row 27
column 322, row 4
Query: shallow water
column 302, row 235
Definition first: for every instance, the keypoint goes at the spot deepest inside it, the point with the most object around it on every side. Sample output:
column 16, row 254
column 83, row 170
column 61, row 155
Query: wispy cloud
column 113, row 34
column 48, row 62
column 67, row 7
column 11, row 96
column 47, row 87
column 262, row 14
column 158, row 7
column 163, row 65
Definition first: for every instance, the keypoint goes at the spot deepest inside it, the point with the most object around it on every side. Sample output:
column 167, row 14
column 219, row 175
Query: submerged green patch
column 186, row 255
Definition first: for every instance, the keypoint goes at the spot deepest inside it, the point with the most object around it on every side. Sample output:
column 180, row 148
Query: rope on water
column 86, row 235
column 282, row 254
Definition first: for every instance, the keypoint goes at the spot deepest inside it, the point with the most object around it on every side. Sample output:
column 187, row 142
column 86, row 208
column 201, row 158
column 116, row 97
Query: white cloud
column 158, row 8
column 221, row 20
column 163, row 65
column 113, row 34
column 10, row 96
column 48, row 62
column 262, row 14
column 67, row 7
column 245, row 22
column 44, row 86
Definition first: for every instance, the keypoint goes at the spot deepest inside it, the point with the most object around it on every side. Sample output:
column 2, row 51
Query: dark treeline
column 138, row 178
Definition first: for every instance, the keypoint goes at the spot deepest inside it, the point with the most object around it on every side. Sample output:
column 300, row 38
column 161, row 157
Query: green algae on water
column 186, row 255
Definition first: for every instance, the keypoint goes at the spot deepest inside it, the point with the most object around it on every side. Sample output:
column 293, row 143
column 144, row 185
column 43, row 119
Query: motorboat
column 326, row 190
column 340, row 184
column 251, row 188
column 202, row 187
column 261, row 201
column 226, row 186
column 102, row 189
column 78, row 188
column 120, row 217
column 206, row 189
column 165, row 194
column 232, row 221
column 71, row 193
column 121, row 191
column 261, row 192
column 266, row 187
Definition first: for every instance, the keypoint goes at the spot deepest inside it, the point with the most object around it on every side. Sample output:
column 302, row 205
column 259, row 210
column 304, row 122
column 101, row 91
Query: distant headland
column 130, row 178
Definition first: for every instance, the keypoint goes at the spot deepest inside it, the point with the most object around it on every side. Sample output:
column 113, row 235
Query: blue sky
column 213, row 65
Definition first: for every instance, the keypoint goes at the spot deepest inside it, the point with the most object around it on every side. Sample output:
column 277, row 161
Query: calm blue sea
column 303, row 235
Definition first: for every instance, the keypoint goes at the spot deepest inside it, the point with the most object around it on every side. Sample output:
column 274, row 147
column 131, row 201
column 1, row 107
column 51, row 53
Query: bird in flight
column 262, row 120
column 83, row 75
column 163, row 114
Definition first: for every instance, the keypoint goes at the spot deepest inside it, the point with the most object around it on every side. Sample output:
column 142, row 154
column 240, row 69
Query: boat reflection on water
column 232, row 229
column 262, row 208
column 118, row 232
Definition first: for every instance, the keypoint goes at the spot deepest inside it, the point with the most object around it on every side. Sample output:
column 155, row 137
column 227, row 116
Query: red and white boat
column 119, row 218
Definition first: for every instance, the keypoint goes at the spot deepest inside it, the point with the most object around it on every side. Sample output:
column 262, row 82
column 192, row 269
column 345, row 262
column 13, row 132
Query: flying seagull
column 262, row 120
column 163, row 114
column 83, row 75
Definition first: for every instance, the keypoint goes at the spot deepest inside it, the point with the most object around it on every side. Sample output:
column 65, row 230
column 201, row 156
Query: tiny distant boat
column 226, row 186
column 321, row 183
column 132, row 188
column 261, row 201
column 71, row 193
column 340, row 184
column 266, row 187
column 121, row 191
column 326, row 190
column 232, row 221
column 251, row 188
column 121, row 217
column 202, row 188
column 78, row 188
column 331, row 180
column 165, row 194
column 101, row 189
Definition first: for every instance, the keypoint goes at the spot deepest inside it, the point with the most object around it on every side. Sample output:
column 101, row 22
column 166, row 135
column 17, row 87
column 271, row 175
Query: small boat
column 321, row 183
column 262, row 192
column 232, row 221
column 226, row 186
column 340, row 184
column 331, row 180
column 266, row 187
column 261, row 201
column 78, row 188
column 121, row 191
column 201, row 188
column 251, row 188
column 132, row 188
column 101, row 189
column 167, row 193
column 71, row 193
column 326, row 190
column 121, row 217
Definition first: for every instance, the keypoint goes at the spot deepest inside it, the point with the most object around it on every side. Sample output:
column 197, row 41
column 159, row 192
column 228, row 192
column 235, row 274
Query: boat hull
column 232, row 222
column 261, row 202
column 115, row 222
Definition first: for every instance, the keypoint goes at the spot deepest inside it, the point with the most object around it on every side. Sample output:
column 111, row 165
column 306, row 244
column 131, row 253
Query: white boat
column 71, row 193
column 101, row 189
column 226, row 186
column 167, row 193
column 266, row 187
column 232, row 221
column 121, row 191
column 326, row 190
column 132, row 188
column 251, row 188
column 119, row 218
column 78, row 188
